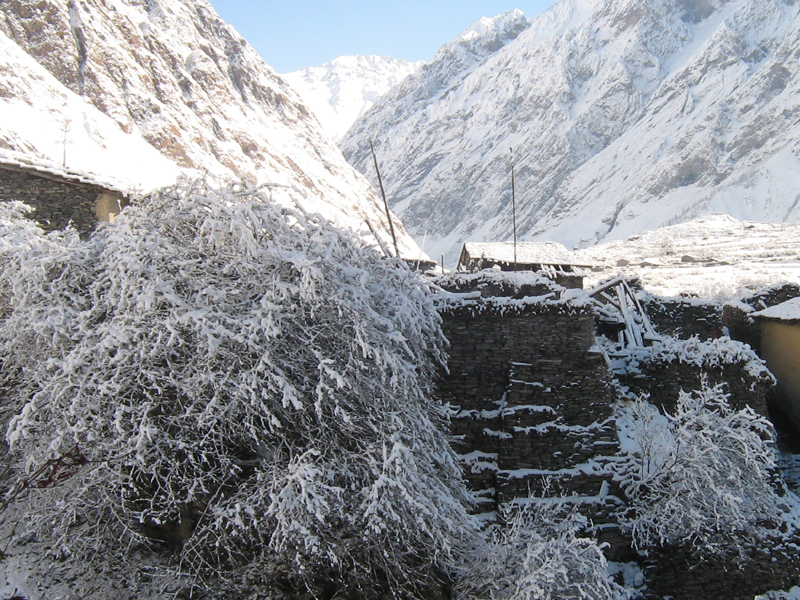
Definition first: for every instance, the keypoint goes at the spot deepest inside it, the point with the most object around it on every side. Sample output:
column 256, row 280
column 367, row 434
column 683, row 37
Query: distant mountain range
column 623, row 116
column 341, row 91
column 140, row 92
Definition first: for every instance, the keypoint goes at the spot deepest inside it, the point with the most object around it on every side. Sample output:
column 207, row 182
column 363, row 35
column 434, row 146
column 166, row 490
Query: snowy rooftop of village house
column 787, row 311
column 50, row 170
column 532, row 253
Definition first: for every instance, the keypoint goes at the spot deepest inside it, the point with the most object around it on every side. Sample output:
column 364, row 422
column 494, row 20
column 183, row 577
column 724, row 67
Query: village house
column 549, row 258
column 780, row 348
column 58, row 195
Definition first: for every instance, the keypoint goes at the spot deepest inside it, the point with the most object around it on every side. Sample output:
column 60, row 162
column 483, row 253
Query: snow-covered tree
column 538, row 553
column 237, row 382
column 703, row 476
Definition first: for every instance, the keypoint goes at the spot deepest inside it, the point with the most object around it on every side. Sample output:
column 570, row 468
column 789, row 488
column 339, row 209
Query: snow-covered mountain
column 623, row 116
column 340, row 91
column 166, row 86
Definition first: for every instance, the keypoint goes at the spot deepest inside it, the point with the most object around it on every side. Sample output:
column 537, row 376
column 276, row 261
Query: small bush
column 703, row 476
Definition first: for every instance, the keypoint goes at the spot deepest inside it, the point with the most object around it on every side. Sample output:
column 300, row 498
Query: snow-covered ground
column 715, row 257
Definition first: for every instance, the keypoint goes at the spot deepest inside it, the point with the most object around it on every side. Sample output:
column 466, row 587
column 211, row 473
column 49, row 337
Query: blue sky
column 293, row 34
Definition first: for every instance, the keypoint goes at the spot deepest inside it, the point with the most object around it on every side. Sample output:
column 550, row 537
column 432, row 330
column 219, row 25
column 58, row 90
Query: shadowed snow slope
column 623, row 116
column 170, row 76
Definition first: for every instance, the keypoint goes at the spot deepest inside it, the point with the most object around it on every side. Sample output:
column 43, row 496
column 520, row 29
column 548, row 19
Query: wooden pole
column 513, row 206
column 385, row 203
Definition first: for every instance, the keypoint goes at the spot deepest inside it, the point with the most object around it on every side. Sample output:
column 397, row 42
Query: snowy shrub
column 702, row 477
column 248, row 386
column 538, row 554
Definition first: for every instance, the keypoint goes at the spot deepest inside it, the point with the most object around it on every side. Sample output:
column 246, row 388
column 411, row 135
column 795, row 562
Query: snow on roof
column 539, row 253
column 787, row 311
column 49, row 169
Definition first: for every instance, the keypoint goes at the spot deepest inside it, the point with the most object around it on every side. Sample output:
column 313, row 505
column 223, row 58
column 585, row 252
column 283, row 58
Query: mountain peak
column 487, row 35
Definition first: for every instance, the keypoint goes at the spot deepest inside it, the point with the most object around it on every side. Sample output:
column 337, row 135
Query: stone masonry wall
column 56, row 203
column 534, row 404
column 663, row 381
column 683, row 318
column 736, row 316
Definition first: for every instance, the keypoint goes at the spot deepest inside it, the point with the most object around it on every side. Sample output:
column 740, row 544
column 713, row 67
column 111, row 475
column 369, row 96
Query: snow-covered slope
column 713, row 257
column 172, row 75
column 623, row 116
column 340, row 91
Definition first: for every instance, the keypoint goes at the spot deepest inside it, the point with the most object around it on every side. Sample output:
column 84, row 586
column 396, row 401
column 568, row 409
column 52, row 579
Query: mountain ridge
column 623, row 117
column 173, row 74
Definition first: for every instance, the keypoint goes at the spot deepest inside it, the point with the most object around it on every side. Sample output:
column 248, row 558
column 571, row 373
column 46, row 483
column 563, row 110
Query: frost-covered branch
column 703, row 476
column 249, row 386
column 538, row 553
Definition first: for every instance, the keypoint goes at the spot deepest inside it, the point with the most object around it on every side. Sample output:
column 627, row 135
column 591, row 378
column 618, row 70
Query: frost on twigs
column 538, row 553
column 250, row 389
column 703, row 477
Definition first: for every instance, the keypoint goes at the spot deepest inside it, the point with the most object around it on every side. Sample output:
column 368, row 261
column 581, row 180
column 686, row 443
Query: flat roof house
column 549, row 258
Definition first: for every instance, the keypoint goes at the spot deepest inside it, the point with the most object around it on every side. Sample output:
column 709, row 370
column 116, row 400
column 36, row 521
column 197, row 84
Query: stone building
column 549, row 258
column 60, row 196
column 532, row 392
column 780, row 348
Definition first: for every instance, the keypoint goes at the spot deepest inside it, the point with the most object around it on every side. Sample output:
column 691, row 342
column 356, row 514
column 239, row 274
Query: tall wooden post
column 513, row 207
column 385, row 203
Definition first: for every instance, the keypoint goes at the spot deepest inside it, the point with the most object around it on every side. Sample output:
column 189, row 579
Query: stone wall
column 676, row 575
column 534, row 405
column 55, row 203
column 683, row 318
column 663, row 381
column 736, row 315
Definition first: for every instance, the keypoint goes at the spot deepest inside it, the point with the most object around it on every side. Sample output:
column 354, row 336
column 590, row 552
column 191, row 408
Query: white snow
column 45, row 122
column 341, row 91
column 786, row 311
column 546, row 253
column 624, row 117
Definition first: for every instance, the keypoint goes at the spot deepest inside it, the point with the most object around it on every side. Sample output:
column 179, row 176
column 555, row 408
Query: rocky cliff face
column 341, row 91
column 172, row 73
column 623, row 116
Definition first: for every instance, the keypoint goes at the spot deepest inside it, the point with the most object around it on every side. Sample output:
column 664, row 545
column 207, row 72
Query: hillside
column 171, row 76
column 713, row 257
column 623, row 117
